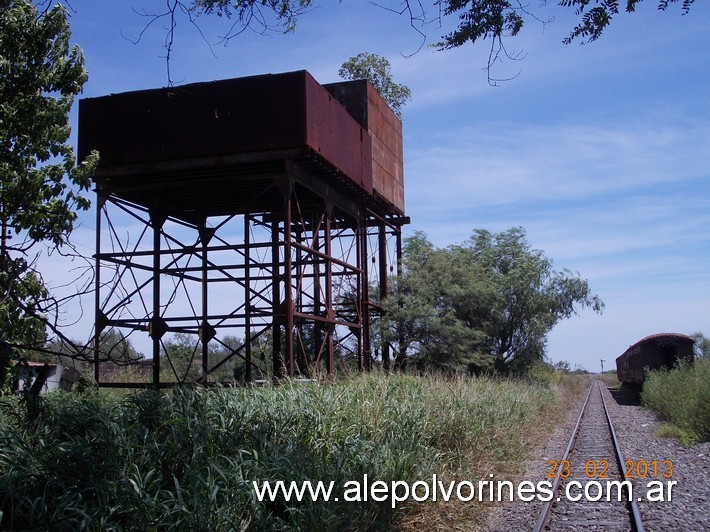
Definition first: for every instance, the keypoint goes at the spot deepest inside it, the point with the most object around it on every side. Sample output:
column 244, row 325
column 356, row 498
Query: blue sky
column 600, row 151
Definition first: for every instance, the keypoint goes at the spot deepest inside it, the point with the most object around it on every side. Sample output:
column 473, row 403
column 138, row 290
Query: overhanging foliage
column 40, row 182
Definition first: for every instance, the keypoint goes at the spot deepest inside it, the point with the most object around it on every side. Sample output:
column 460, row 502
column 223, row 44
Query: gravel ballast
column 636, row 427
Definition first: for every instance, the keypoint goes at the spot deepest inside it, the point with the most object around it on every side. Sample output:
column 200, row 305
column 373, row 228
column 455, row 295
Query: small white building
column 59, row 377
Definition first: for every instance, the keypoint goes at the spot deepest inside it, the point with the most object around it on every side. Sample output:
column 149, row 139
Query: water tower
column 266, row 209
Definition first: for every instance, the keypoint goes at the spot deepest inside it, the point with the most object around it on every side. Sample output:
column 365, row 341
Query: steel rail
column 636, row 522
column 545, row 515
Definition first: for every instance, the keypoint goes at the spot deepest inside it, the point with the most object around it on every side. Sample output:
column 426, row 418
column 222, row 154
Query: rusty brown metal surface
column 201, row 129
column 235, row 129
column 336, row 136
column 657, row 351
column 371, row 111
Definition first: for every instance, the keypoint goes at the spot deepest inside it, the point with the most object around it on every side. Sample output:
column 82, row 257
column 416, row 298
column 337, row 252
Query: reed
column 187, row 459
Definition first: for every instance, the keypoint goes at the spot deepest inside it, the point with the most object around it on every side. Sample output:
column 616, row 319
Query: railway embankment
column 689, row 507
column 650, row 459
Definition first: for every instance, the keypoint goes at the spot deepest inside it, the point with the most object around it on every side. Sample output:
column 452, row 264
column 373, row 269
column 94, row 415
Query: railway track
column 590, row 471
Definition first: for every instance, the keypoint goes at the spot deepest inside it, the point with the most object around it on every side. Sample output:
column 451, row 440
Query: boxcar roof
column 679, row 336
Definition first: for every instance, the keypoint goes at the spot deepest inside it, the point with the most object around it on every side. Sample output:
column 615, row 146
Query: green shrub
column 682, row 397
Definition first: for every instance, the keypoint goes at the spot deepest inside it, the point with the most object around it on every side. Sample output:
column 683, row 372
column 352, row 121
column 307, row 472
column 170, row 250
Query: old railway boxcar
column 653, row 352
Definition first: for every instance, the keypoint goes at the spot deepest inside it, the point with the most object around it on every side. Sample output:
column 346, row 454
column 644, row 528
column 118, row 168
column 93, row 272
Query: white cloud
column 504, row 163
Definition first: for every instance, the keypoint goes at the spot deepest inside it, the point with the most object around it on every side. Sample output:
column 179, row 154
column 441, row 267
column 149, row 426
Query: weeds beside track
column 681, row 396
column 185, row 460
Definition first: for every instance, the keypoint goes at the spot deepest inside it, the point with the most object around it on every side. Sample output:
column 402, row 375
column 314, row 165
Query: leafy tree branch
column 41, row 184
column 472, row 21
column 376, row 69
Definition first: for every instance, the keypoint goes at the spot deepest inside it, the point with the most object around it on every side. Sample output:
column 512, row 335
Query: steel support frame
column 294, row 285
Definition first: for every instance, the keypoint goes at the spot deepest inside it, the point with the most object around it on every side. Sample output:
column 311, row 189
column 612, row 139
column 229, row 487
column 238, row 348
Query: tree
column 702, row 344
column 478, row 20
column 229, row 347
column 497, row 20
column 40, row 183
column 376, row 69
column 114, row 345
column 284, row 12
column 183, row 357
column 439, row 309
column 487, row 303
column 532, row 296
column 182, row 354
column 562, row 366
column 263, row 16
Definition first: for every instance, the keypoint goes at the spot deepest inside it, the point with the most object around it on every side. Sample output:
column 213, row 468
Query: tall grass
column 186, row 460
column 682, row 397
